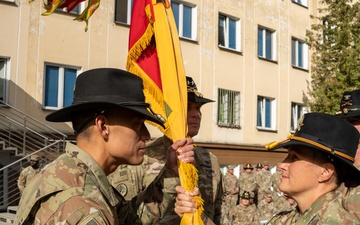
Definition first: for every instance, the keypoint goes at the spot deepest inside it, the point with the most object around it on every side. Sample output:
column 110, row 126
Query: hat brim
column 349, row 114
column 193, row 98
column 352, row 169
column 66, row 114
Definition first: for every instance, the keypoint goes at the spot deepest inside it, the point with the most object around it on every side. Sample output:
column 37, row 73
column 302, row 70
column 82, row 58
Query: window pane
column 268, row 113
column 268, row 45
column 69, row 84
column 300, row 54
column 51, row 86
column 232, row 34
column 221, row 30
column 187, row 21
column 2, row 79
column 121, row 11
column 293, row 52
column 260, row 42
column 259, row 109
column 175, row 9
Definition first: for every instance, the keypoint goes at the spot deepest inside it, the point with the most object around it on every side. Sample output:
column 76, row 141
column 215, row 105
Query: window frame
column 228, row 106
column 129, row 5
column 81, row 7
column 61, row 82
column 273, row 40
column 226, row 31
column 180, row 24
column 295, row 59
column 263, row 113
column 5, row 91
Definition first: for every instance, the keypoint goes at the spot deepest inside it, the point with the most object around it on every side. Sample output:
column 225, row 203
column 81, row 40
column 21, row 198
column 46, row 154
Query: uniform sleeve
column 21, row 181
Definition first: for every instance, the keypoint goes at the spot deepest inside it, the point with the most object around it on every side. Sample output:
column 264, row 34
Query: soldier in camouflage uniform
column 350, row 111
column 247, row 180
column 244, row 213
column 263, row 180
column 109, row 121
column 266, row 206
column 210, row 179
column 231, row 192
column 29, row 172
column 320, row 157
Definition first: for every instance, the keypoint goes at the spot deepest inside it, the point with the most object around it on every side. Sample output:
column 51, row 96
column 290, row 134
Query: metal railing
column 20, row 137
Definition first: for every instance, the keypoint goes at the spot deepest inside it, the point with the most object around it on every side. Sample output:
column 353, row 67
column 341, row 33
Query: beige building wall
column 30, row 40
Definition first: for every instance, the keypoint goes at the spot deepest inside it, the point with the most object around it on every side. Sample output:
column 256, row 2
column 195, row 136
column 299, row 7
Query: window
column 185, row 19
column 229, row 108
column 78, row 9
column 229, row 32
column 59, row 86
column 123, row 11
column 4, row 67
column 299, row 53
column 297, row 111
column 266, row 113
column 266, row 43
column 301, row 2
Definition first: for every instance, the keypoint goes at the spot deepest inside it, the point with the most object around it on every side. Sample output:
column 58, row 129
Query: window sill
column 230, row 50
column 299, row 68
column 266, row 129
column 268, row 60
column 306, row 7
column 188, row 40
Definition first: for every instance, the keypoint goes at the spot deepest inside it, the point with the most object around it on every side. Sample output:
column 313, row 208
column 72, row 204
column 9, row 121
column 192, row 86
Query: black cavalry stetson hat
column 193, row 94
column 350, row 104
column 328, row 133
column 106, row 87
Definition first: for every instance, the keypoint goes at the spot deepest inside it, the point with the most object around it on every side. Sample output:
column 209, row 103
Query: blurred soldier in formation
column 247, row 179
column 266, row 206
column 231, row 192
column 263, row 179
column 244, row 213
column 29, row 172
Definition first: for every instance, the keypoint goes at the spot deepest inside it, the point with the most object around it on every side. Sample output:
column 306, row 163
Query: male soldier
column 350, row 111
column 244, row 213
column 210, row 180
column 266, row 206
column 263, row 179
column 231, row 192
column 247, row 179
column 258, row 167
column 107, row 113
column 29, row 172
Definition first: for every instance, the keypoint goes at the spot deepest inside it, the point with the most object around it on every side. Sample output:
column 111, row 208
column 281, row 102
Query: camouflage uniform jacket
column 73, row 189
column 350, row 199
column 126, row 179
column 231, row 183
column 247, row 182
column 209, row 183
column 325, row 210
column 266, row 209
column 26, row 176
column 244, row 215
column 263, row 179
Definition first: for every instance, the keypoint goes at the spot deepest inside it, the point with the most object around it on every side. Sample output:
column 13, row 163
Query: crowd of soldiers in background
column 254, row 197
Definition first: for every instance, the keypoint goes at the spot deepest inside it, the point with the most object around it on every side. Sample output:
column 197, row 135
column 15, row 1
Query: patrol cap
column 331, row 135
column 34, row 158
column 248, row 166
column 266, row 163
column 245, row 195
column 350, row 104
column 193, row 94
column 106, row 87
column 231, row 167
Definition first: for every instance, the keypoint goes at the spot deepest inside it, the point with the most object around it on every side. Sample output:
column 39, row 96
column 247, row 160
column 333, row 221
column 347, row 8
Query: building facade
column 250, row 56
